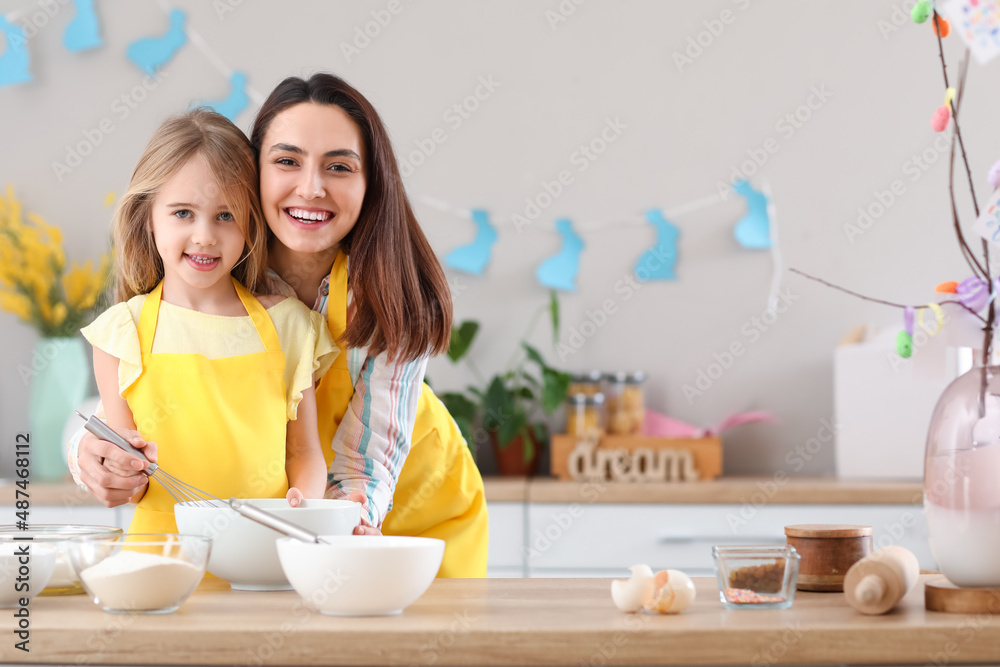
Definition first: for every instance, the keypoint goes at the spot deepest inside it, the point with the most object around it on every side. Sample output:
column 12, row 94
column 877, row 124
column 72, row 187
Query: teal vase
column 59, row 378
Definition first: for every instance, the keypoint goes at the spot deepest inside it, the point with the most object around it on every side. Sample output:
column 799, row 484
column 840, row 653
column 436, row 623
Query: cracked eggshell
column 633, row 594
column 673, row 592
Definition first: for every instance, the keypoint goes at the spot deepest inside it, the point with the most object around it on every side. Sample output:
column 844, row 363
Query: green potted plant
column 510, row 407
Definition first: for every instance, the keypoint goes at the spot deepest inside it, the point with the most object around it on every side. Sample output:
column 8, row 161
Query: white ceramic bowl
column 361, row 575
column 39, row 564
column 244, row 552
column 64, row 580
column 147, row 573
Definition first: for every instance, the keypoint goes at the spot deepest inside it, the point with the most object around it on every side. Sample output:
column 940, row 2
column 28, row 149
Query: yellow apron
column 439, row 492
column 219, row 424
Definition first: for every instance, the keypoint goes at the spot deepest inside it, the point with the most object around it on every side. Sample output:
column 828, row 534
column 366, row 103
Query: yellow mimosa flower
column 58, row 315
column 17, row 304
column 74, row 283
column 35, row 283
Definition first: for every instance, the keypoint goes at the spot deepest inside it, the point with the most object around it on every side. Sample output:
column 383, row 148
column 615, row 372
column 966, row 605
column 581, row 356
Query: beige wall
column 557, row 86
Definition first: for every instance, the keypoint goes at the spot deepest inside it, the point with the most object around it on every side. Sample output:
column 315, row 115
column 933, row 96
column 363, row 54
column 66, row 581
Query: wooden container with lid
column 827, row 550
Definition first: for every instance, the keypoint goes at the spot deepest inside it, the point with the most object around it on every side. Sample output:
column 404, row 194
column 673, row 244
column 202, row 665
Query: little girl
column 221, row 381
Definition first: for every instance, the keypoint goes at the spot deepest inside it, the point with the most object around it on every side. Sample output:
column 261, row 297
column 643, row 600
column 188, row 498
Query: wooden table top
column 726, row 490
column 501, row 622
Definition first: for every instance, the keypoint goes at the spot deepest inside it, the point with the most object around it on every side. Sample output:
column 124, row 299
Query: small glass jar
column 588, row 383
column 756, row 577
column 585, row 415
column 626, row 403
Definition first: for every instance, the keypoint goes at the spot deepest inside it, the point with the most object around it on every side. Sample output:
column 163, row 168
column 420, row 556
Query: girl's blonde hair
column 231, row 159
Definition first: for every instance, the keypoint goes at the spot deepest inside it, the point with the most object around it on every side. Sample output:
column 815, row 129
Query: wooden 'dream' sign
column 636, row 458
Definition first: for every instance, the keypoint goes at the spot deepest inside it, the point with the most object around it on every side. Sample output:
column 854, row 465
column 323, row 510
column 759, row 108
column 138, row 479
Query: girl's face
column 195, row 234
column 312, row 176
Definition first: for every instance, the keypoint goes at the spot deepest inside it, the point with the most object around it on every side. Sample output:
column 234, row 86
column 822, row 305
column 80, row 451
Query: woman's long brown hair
column 402, row 300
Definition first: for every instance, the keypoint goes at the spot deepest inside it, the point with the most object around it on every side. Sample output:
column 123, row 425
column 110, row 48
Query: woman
column 345, row 241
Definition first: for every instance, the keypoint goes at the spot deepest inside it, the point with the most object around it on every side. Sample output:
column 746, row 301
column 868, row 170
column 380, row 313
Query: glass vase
column 59, row 378
column 962, row 479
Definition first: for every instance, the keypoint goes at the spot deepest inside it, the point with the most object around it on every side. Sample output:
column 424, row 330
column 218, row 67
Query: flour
column 141, row 581
column 64, row 575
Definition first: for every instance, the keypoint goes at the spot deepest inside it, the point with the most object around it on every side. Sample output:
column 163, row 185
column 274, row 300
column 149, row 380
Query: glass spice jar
column 626, row 403
column 585, row 414
column 588, row 383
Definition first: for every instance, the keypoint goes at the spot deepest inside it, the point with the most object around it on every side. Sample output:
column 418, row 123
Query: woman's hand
column 295, row 498
column 113, row 475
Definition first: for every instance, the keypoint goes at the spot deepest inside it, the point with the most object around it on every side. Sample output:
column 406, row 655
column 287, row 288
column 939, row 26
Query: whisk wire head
column 182, row 492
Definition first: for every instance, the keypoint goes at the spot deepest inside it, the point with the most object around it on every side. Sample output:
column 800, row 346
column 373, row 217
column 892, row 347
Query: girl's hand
column 363, row 528
column 113, row 475
column 294, row 497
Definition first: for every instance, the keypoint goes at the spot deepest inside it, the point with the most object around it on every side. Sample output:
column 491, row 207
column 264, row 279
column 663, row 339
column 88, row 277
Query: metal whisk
column 181, row 491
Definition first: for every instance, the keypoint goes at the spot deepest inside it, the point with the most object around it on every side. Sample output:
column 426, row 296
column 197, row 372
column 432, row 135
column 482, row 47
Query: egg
column 921, row 11
column 674, row 592
column 941, row 26
column 632, row 594
column 941, row 118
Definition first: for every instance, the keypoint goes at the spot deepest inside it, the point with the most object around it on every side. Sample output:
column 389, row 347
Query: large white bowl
column 361, row 575
column 24, row 576
column 244, row 552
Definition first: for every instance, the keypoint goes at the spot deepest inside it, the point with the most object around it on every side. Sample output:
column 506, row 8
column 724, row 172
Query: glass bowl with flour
column 151, row 573
column 64, row 580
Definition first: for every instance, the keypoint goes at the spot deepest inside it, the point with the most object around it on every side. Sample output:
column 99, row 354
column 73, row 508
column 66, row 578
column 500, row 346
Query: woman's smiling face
column 312, row 176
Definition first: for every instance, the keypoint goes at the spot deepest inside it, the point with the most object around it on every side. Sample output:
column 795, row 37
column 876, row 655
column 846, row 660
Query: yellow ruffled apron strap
column 258, row 315
column 147, row 320
column 261, row 320
column 336, row 307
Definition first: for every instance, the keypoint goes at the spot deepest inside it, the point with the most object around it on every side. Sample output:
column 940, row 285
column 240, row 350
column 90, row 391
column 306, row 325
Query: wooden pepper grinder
column 877, row 582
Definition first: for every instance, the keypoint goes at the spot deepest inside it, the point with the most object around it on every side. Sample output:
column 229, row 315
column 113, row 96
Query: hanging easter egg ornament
column 908, row 320
column 941, row 26
column 940, row 119
column 974, row 293
column 938, row 316
column 904, row 344
column 949, row 96
column 994, row 175
column 948, row 287
column 921, row 11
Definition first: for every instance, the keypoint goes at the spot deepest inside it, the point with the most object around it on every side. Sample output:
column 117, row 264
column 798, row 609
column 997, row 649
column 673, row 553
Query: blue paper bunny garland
column 149, row 54
column 559, row 271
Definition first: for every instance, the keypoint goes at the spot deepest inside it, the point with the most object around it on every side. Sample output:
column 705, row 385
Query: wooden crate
column 704, row 453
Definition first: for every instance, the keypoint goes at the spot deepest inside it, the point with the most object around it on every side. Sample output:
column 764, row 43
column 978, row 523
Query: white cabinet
column 506, row 550
column 601, row 540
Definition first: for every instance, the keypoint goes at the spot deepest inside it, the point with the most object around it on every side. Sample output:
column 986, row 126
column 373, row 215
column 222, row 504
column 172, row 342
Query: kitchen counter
column 727, row 490
column 501, row 622
column 730, row 490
